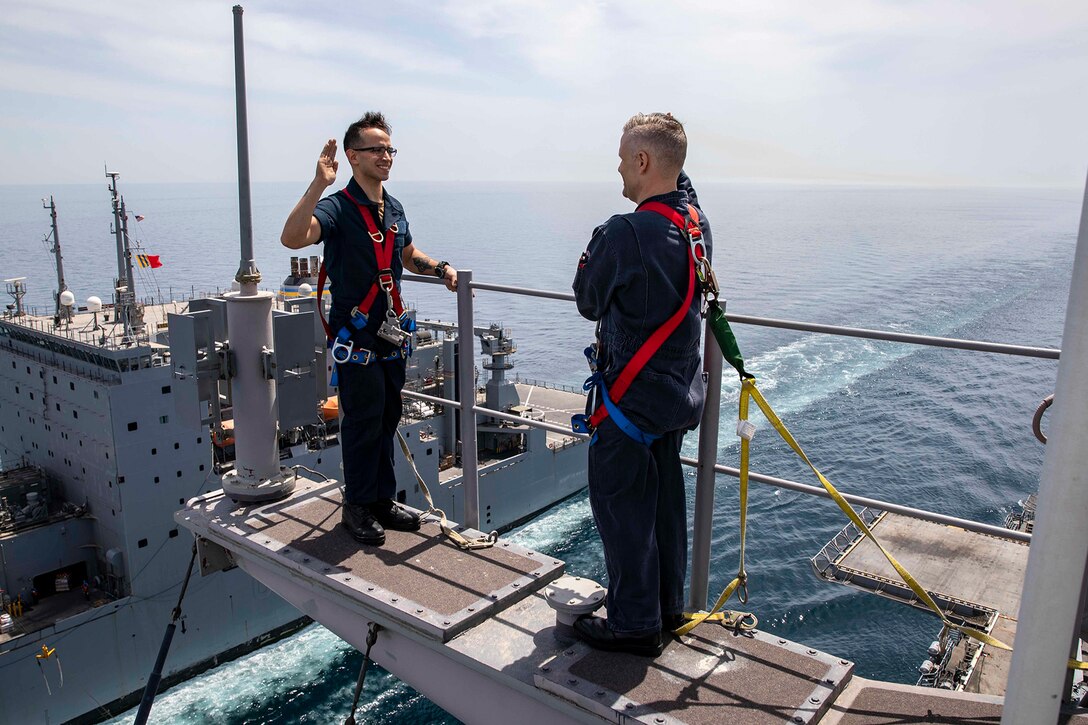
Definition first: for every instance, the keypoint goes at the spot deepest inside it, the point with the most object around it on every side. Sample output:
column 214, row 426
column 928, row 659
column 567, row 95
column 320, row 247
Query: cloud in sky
column 856, row 90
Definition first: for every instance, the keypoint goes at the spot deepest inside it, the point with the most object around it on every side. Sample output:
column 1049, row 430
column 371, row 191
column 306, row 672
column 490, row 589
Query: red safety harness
column 689, row 226
column 383, row 253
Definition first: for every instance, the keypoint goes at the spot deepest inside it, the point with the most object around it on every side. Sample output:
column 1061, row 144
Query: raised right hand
column 327, row 163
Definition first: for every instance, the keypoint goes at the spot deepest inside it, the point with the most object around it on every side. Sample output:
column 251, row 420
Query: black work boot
column 360, row 522
column 392, row 516
column 594, row 631
column 671, row 622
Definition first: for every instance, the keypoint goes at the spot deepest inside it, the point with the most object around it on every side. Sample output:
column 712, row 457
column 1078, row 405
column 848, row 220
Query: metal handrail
column 708, row 436
column 1047, row 353
column 784, row 483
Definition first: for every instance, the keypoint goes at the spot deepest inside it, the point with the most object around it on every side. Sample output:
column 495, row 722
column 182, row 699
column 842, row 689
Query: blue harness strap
column 581, row 423
column 633, row 431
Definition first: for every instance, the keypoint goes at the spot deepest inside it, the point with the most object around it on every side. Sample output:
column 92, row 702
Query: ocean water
column 943, row 430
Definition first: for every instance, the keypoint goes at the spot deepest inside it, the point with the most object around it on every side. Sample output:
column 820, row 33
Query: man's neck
column 656, row 189
column 371, row 187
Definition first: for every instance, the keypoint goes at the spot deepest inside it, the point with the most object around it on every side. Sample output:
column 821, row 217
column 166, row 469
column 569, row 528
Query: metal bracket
column 268, row 364
column 227, row 365
column 213, row 557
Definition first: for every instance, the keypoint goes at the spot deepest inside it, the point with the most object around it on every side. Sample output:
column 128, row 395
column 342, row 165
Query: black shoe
column 672, row 622
column 594, row 631
column 361, row 523
column 394, row 517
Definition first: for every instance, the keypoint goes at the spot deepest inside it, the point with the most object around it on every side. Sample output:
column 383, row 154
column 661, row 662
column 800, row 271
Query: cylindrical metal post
column 248, row 276
column 1059, row 546
column 249, row 319
column 466, row 393
column 705, row 477
column 256, row 475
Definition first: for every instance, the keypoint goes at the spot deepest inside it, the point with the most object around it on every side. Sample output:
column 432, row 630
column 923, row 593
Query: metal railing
column 706, row 463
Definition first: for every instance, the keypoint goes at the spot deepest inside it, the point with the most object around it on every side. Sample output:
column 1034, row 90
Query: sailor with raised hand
column 367, row 246
column 635, row 280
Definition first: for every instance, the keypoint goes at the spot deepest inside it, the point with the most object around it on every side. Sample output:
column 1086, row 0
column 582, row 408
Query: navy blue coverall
column 370, row 400
column 632, row 277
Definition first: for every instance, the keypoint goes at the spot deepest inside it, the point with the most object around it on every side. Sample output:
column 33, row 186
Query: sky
column 928, row 92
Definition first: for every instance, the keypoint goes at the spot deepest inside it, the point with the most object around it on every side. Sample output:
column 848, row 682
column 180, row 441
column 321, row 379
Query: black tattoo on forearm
column 423, row 264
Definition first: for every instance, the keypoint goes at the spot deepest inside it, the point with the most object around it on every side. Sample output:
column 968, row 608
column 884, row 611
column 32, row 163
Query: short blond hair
column 663, row 134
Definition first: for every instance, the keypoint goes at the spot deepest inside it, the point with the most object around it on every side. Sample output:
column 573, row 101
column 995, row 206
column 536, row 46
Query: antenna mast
column 124, row 299
column 60, row 310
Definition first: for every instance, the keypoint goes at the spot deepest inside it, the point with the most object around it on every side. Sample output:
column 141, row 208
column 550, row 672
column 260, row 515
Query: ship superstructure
column 100, row 444
column 95, row 461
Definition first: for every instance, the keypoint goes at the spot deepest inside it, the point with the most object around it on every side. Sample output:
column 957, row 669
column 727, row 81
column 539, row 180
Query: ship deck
column 467, row 627
column 549, row 404
column 974, row 577
column 556, row 406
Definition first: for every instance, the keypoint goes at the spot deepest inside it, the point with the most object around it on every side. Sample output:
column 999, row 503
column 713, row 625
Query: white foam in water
column 547, row 532
column 235, row 688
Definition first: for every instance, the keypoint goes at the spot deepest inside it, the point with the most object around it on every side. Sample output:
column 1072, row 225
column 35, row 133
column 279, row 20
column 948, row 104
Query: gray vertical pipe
column 1059, row 545
column 248, row 276
column 466, row 393
column 705, row 476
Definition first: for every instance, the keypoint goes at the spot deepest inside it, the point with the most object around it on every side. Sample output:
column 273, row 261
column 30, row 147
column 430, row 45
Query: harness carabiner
column 341, row 350
column 708, row 281
column 385, row 280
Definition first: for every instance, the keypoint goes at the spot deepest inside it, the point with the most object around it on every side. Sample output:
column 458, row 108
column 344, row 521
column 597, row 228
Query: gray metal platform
column 963, row 570
column 420, row 578
column 867, row 702
column 711, row 676
column 472, row 631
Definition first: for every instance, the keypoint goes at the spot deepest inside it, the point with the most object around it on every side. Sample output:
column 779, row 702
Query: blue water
column 942, row 430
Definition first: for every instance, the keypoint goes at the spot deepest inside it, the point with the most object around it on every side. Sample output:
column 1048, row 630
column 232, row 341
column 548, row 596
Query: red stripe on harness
column 689, row 226
column 383, row 255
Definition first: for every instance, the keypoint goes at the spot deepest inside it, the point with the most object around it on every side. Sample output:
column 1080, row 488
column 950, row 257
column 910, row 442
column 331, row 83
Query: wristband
column 440, row 269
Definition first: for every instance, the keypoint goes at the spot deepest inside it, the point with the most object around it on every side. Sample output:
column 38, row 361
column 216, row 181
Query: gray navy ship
column 99, row 450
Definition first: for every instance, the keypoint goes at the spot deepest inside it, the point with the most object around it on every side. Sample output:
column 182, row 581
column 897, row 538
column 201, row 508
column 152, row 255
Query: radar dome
column 94, row 304
column 305, row 290
column 67, row 298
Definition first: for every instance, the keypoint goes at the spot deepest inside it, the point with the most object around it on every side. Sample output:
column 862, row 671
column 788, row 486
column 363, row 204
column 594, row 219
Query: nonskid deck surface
column 711, row 676
column 484, row 611
column 866, row 702
column 970, row 574
column 419, row 577
column 953, row 563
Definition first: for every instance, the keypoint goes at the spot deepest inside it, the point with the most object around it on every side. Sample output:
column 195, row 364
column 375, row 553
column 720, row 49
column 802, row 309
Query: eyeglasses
column 379, row 150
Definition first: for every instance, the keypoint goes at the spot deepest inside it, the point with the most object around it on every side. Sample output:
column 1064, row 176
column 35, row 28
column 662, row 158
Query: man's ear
column 643, row 160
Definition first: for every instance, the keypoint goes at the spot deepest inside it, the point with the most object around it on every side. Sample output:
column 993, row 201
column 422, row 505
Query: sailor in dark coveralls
column 371, row 381
column 632, row 278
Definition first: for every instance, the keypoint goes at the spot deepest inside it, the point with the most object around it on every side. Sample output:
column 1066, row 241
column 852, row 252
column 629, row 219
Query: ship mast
column 124, row 300
column 60, row 311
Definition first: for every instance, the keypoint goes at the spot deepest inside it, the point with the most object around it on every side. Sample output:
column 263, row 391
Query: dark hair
column 370, row 119
column 663, row 134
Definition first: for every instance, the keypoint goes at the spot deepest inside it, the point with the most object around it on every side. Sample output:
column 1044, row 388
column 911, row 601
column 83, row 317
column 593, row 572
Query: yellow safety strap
column 462, row 542
column 749, row 389
column 740, row 583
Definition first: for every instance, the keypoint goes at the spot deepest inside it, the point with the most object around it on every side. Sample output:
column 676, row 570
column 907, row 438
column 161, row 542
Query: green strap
column 727, row 341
